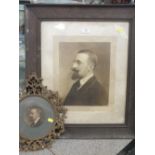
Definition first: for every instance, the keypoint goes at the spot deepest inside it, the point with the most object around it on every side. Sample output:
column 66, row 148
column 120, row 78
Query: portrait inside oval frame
column 37, row 117
column 41, row 115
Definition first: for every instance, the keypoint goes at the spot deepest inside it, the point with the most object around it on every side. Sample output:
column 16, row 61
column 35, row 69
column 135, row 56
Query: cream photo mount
column 114, row 112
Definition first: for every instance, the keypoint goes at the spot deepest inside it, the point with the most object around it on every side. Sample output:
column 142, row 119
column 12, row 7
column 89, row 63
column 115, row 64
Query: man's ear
column 91, row 66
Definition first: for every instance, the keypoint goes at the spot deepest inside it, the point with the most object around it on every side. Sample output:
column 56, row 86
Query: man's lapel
column 88, row 84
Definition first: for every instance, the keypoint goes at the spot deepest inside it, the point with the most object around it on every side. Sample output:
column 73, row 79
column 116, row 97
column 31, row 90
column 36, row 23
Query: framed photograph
column 34, row 114
column 86, row 54
column 41, row 116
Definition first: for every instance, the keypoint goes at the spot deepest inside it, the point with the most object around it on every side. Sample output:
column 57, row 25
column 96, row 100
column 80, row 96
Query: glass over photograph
column 88, row 67
column 34, row 115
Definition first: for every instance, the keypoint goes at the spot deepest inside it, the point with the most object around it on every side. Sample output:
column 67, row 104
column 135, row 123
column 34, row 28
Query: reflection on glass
column 21, row 47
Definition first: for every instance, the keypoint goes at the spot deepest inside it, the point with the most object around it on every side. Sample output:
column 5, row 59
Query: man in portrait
column 86, row 90
column 35, row 114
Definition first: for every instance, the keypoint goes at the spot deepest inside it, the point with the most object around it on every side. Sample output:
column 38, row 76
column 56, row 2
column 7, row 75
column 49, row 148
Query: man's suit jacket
column 36, row 124
column 91, row 93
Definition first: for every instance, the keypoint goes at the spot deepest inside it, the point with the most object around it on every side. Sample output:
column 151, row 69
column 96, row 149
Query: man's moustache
column 74, row 70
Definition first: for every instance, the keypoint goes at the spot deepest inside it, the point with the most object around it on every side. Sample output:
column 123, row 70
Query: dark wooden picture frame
column 35, row 14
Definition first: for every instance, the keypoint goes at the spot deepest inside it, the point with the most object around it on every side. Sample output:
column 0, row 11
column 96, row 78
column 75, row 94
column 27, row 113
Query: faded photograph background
column 67, row 54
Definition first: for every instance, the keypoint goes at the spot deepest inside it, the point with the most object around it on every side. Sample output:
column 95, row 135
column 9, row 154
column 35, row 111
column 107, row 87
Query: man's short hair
column 38, row 109
column 92, row 56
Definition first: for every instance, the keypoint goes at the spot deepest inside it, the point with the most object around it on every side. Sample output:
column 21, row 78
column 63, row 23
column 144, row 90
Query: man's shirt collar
column 85, row 79
column 37, row 120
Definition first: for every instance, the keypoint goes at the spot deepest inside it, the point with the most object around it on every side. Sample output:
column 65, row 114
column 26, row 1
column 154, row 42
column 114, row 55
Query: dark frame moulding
column 35, row 14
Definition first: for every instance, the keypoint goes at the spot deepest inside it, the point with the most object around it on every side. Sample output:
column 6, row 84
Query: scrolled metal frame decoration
column 34, row 87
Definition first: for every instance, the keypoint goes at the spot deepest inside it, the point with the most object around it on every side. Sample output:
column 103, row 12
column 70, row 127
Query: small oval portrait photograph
column 34, row 117
column 37, row 117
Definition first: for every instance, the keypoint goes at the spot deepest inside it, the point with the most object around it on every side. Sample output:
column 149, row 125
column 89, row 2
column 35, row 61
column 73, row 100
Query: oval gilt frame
column 34, row 88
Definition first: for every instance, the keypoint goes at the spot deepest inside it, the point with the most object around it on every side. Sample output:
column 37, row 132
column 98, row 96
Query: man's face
column 33, row 114
column 81, row 66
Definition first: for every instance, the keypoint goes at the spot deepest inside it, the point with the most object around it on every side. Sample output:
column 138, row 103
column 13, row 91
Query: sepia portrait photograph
column 88, row 67
column 82, row 67
column 34, row 115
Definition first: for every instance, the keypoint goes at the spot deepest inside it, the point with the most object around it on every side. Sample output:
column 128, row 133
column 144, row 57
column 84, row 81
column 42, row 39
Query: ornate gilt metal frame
column 34, row 87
